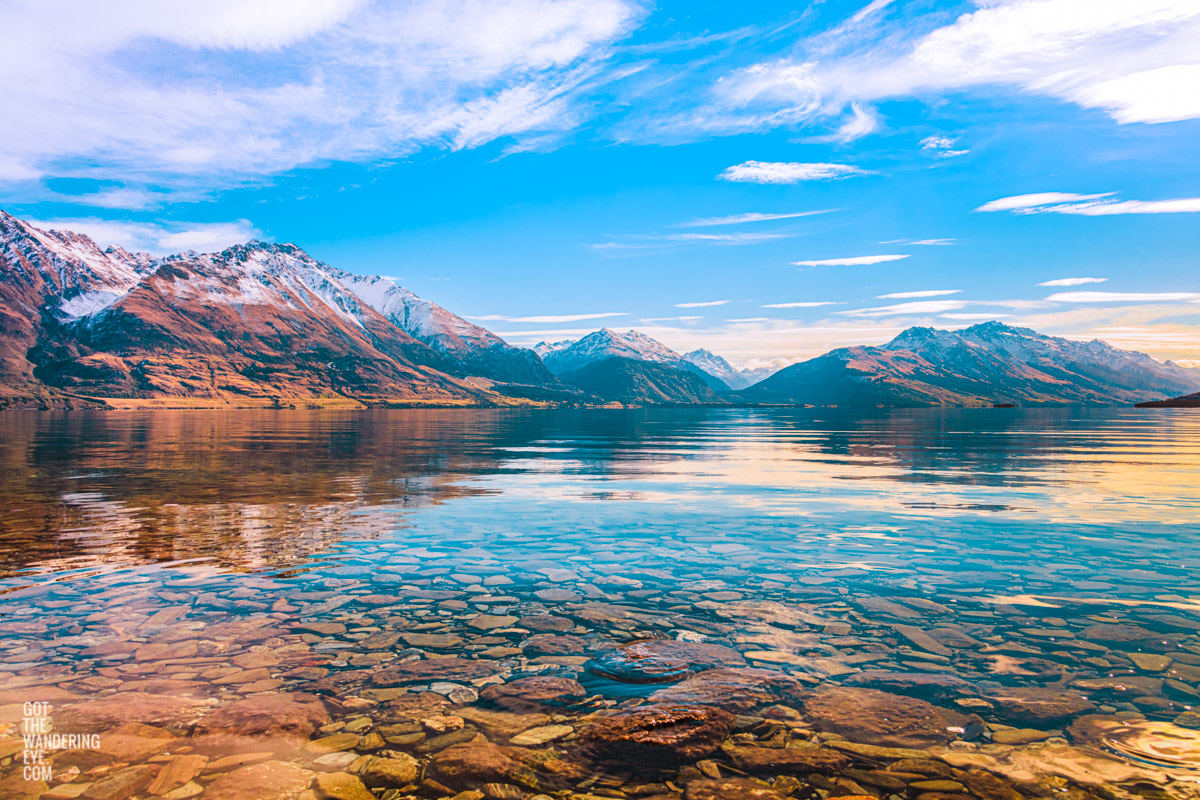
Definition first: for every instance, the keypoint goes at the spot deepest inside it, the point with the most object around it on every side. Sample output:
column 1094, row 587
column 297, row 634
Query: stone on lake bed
column 432, row 669
column 869, row 716
column 733, row 689
column 266, row 721
column 657, row 733
column 731, row 789
column 1018, row 736
column 1150, row 662
column 543, row 735
column 436, row 641
column 1035, row 704
column 487, row 622
column 269, row 780
column 398, row 769
column 786, row 760
column 534, row 694
column 471, row 764
column 662, row 660
column 341, row 786
column 926, row 685
column 108, row 712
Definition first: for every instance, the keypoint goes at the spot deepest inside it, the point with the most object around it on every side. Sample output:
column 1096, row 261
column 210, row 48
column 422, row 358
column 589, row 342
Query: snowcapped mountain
column 637, row 382
column 256, row 320
column 604, row 344
column 978, row 366
column 545, row 348
column 718, row 367
column 475, row 350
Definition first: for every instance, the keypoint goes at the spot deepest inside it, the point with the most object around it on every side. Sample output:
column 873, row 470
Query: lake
column 674, row 603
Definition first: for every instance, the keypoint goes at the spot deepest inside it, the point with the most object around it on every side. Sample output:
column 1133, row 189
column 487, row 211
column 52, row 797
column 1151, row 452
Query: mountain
column 473, row 350
column 605, row 344
column 637, row 382
column 978, row 366
column 1185, row 401
column 260, row 321
column 718, row 367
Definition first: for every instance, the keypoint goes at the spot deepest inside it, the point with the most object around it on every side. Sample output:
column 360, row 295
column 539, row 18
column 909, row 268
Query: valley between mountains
column 263, row 324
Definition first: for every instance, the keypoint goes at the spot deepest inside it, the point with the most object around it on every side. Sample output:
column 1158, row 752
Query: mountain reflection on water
column 1031, row 572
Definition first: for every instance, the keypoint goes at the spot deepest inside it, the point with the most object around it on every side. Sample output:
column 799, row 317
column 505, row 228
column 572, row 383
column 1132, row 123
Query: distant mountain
column 262, row 321
column 718, row 367
column 1185, row 401
column 545, row 348
column 472, row 349
column 604, row 344
column 634, row 381
column 978, row 366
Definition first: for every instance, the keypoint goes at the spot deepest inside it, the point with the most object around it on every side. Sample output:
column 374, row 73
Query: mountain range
column 267, row 324
column 569, row 356
column 986, row 364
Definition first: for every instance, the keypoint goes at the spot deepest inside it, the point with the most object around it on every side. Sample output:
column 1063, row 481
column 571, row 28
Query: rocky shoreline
column 587, row 681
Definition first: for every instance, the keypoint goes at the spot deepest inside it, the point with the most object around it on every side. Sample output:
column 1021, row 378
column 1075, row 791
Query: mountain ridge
column 981, row 365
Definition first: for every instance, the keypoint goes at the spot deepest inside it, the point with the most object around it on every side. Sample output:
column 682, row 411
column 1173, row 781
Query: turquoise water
column 991, row 546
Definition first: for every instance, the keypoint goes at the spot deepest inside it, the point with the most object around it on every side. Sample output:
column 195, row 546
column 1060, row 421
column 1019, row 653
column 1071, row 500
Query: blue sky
column 765, row 180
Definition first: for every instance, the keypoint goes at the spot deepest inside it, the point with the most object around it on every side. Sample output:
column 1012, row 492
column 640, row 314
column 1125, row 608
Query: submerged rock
column 731, row 789
column 657, row 733
column 786, row 760
column 1032, row 704
column 270, row 780
column 278, row 722
column 533, row 695
column 869, row 716
column 662, row 660
column 732, row 689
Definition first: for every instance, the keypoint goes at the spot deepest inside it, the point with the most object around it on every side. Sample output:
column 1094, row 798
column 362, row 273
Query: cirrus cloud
column 852, row 261
column 788, row 172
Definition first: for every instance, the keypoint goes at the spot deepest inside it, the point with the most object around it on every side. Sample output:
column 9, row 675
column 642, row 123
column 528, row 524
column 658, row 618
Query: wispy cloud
column 942, row 146
column 974, row 317
column 853, row 261
column 1089, row 205
column 704, row 304
column 1133, row 61
column 724, row 238
column 738, row 219
column 903, row 309
column 218, row 94
column 788, row 172
column 551, row 317
column 815, row 304
column 159, row 239
column 923, row 242
column 1122, row 297
column 1071, row 281
column 923, row 293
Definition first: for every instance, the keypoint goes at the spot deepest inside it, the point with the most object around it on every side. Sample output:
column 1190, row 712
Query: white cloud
column 551, row 317
column 854, row 261
column 924, row 293
column 861, row 122
column 725, row 238
column 702, row 305
column 158, row 239
column 1071, row 281
column 1089, row 205
column 802, row 305
column 788, row 172
column 923, row 242
column 969, row 317
column 942, row 146
column 1021, row 202
column 869, row 9
column 1120, row 297
column 1135, row 61
column 923, row 307
column 175, row 94
column 738, row 219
